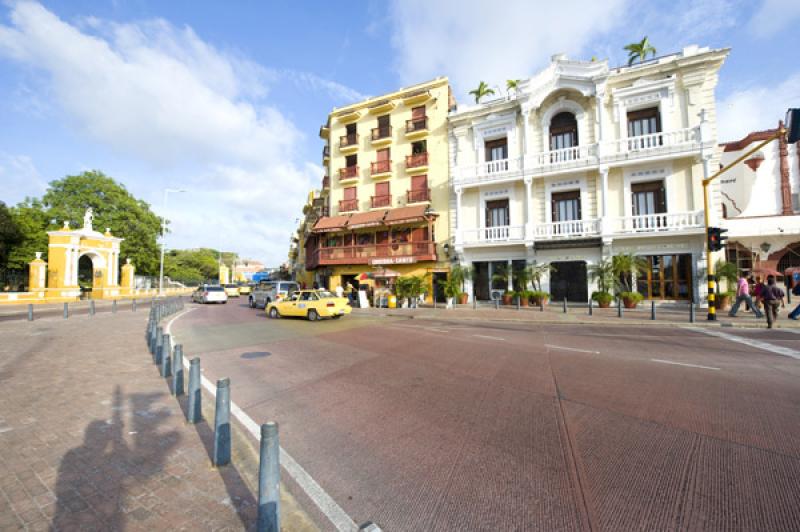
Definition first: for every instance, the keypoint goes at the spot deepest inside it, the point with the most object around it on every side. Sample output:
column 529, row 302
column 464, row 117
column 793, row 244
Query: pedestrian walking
column 743, row 295
column 339, row 291
column 795, row 314
column 772, row 295
column 757, row 288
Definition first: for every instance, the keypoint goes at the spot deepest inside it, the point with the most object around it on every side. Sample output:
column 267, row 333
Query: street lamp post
column 164, row 238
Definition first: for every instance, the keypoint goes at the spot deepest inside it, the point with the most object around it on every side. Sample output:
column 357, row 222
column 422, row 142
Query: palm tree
column 482, row 90
column 603, row 272
column 640, row 50
column 625, row 267
column 537, row 271
column 512, row 84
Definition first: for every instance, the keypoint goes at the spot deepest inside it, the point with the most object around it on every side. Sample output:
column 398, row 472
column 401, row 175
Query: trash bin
column 392, row 301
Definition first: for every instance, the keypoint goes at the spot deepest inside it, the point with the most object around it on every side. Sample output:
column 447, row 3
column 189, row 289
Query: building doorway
column 438, row 289
column 569, row 281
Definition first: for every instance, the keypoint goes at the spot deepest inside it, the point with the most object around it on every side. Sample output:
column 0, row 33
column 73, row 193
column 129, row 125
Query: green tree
column 114, row 208
column 625, row 267
column 31, row 220
column 603, row 273
column 639, row 51
column 512, row 84
column 482, row 91
column 10, row 234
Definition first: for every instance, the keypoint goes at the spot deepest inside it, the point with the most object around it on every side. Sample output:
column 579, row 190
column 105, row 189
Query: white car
column 210, row 294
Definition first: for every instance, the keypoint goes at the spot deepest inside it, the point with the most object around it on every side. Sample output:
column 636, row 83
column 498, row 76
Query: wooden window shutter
column 382, row 189
column 419, row 182
column 350, row 193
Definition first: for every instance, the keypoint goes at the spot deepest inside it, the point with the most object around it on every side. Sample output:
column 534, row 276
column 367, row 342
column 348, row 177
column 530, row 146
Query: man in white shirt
column 339, row 291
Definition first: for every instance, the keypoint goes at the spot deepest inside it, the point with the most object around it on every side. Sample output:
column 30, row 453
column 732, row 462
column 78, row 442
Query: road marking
column 682, row 364
column 324, row 502
column 434, row 329
column 489, row 337
column 758, row 344
column 572, row 349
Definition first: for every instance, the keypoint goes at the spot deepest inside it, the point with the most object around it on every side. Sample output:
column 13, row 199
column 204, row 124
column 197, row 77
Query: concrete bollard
column 91, row 307
column 133, row 305
column 591, row 305
column 30, row 312
column 269, row 480
column 166, row 357
column 497, row 304
column 653, row 310
column 541, row 304
column 177, row 371
column 691, row 312
column 114, row 307
column 517, row 302
column 222, row 423
column 619, row 307
column 193, row 412
column 66, row 310
column 565, row 305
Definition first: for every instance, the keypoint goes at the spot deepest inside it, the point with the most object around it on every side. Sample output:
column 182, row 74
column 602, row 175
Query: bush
column 632, row 296
column 539, row 295
column 603, row 297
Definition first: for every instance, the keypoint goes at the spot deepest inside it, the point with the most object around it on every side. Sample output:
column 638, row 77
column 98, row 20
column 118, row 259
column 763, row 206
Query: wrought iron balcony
column 380, row 167
column 417, row 160
column 419, row 195
column 348, row 172
column 348, row 205
column 382, row 201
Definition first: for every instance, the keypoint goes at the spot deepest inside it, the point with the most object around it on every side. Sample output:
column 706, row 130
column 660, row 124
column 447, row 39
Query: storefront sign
column 393, row 260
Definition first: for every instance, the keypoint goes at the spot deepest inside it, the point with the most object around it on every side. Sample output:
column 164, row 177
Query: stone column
column 510, row 274
column 128, row 271
column 459, row 226
column 605, row 223
column 528, row 209
column 37, row 273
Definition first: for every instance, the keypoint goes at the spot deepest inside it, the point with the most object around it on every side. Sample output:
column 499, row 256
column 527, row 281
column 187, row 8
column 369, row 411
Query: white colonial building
column 584, row 162
column 761, row 203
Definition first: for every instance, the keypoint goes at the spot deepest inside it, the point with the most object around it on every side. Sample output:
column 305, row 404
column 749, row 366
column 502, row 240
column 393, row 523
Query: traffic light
column 792, row 126
column 716, row 238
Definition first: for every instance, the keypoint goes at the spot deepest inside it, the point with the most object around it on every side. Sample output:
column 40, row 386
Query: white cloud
column 774, row 16
column 160, row 95
column 470, row 40
column 756, row 108
column 18, row 172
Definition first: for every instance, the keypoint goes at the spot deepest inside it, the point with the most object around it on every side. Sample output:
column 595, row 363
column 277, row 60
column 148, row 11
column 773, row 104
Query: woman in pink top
column 743, row 295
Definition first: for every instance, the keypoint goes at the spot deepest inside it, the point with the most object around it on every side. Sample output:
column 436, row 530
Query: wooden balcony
column 381, row 201
column 348, row 172
column 394, row 253
column 381, row 136
column 417, row 127
column 380, row 168
column 348, row 205
column 348, row 143
column 419, row 195
column 326, row 154
column 326, row 182
column 417, row 162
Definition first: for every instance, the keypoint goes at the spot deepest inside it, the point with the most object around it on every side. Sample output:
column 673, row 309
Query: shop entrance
column 438, row 289
column 569, row 280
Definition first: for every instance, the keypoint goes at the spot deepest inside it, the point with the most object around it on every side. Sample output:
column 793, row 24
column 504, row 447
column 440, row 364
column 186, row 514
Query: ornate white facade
column 584, row 161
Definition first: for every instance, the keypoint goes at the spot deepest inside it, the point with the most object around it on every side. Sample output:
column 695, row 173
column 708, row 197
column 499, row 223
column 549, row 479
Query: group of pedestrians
column 768, row 294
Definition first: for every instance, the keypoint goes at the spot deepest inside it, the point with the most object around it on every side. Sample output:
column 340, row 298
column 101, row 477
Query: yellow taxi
column 231, row 290
column 245, row 289
column 311, row 304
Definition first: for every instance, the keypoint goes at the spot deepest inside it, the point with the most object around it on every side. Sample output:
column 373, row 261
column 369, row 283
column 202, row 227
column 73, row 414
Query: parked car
column 266, row 292
column 210, row 294
column 232, row 290
column 311, row 304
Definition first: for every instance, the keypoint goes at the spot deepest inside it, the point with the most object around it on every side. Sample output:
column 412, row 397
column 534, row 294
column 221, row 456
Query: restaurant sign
column 393, row 260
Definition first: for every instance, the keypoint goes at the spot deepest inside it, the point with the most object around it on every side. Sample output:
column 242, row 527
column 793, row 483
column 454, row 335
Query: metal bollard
column 91, row 307
column 157, row 345
column 691, row 312
column 653, row 310
column 591, row 301
column 114, row 307
column 541, row 304
column 517, row 301
column 177, row 371
column 30, row 312
column 133, row 305
column 269, row 480
column 66, row 310
column 166, row 357
column 619, row 307
column 151, row 340
column 474, row 302
column 222, row 423
column 497, row 304
column 193, row 412
column 162, row 349
column 565, row 305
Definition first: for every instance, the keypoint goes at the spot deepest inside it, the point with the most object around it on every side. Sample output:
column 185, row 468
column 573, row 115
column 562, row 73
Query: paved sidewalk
column 91, row 439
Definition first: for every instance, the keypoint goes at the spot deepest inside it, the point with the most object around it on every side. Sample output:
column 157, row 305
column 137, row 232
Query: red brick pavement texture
column 90, row 438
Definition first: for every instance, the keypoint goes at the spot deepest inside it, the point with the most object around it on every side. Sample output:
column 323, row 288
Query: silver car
column 266, row 292
column 210, row 294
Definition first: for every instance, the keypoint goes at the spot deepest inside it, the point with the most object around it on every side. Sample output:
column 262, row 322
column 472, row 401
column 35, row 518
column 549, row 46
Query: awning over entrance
column 366, row 219
column 330, row 223
column 403, row 215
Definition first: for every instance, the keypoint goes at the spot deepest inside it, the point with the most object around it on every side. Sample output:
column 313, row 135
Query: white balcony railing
column 489, row 171
column 573, row 157
column 649, row 223
column 502, row 233
column 656, row 143
column 567, row 229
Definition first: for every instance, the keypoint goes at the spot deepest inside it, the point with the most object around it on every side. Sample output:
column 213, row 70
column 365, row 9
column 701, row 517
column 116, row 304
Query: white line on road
column 434, row 329
column 489, row 337
column 572, row 349
column 758, row 344
column 682, row 364
column 324, row 502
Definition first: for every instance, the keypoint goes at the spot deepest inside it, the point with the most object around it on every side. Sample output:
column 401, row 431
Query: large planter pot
column 463, row 298
column 604, row 304
column 723, row 301
column 507, row 299
column 523, row 302
column 629, row 302
column 539, row 301
column 451, row 302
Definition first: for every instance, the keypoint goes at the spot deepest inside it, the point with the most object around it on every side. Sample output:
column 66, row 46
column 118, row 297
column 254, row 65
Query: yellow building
column 387, row 190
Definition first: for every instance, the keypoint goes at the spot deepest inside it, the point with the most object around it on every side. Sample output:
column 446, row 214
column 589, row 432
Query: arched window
column 563, row 131
column 790, row 259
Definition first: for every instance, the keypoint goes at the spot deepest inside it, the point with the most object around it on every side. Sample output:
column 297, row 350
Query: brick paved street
column 91, row 439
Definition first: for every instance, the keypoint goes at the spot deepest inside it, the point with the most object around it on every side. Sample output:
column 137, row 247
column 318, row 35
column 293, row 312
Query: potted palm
column 603, row 273
column 537, row 271
column 639, row 51
column 462, row 274
column 481, row 91
column 500, row 277
column 452, row 288
column 729, row 272
column 402, row 288
column 626, row 266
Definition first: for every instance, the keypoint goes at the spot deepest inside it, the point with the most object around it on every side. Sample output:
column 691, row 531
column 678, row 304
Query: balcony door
column 566, row 207
column 382, row 196
column 419, row 189
column 563, row 135
column 649, row 200
column 497, row 220
column 645, row 123
column 496, row 155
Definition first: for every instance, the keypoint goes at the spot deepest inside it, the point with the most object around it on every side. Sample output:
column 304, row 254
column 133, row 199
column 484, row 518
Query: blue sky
column 225, row 99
